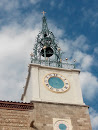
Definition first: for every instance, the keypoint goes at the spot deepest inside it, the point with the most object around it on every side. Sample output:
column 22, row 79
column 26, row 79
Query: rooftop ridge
column 16, row 105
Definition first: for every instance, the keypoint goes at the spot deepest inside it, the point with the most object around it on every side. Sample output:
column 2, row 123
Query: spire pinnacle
column 44, row 25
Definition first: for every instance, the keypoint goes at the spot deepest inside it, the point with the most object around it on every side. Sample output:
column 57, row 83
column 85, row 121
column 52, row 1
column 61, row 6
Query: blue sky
column 75, row 25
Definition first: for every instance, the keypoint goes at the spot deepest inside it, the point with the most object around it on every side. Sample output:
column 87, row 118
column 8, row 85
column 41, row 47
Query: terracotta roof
column 16, row 105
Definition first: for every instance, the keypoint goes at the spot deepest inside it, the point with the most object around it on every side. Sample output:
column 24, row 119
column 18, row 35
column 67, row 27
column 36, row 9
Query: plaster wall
column 32, row 91
column 73, row 95
column 37, row 91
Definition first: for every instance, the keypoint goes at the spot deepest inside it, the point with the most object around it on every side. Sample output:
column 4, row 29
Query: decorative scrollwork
column 46, row 47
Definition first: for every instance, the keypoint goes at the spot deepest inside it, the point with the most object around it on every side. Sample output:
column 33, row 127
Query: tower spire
column 46, row 50
column 44, row 26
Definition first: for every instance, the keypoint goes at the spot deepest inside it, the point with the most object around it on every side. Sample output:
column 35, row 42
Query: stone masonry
column 15, row 115
column 14, row 120
column 43, row 114
column 40, row 116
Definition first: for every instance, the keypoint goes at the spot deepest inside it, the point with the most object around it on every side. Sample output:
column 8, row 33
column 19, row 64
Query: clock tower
column 53, row 87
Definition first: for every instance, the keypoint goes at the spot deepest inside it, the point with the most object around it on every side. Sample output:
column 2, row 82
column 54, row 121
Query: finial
column 74, row 60
column 59, row 48
column 66, row 59
column 60, row 60
column 46, row 58
column 31, row 54
column 44, row 47
column 43, row 13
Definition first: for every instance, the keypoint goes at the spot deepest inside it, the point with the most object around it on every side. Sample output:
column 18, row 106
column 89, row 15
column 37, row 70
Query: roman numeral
column 55, row 74
column 51, row 88
column 50, row 75
column 47, row 85
column 65, row 87
column 57, row 90
column 45, row 81
column 62, row 89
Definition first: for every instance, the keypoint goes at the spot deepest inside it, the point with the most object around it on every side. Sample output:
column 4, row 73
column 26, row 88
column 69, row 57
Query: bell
column 48, row 50
column 45, row 35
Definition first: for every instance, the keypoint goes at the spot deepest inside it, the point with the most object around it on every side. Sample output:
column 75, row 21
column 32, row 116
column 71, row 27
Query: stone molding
column 43, row 102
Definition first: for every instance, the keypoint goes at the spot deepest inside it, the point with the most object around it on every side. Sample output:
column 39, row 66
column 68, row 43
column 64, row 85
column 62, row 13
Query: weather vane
column 43, row 13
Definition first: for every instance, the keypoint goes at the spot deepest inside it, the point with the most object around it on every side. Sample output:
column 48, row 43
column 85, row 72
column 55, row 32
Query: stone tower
column 53, row 87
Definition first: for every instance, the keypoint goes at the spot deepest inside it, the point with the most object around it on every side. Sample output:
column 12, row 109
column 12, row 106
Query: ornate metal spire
column 46, row 50
column 44, row 25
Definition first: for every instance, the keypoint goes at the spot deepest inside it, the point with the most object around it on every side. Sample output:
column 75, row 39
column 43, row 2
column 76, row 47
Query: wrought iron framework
column 46, row 50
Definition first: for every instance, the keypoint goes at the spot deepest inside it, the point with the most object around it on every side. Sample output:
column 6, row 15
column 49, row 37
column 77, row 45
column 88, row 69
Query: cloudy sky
column 75, row 25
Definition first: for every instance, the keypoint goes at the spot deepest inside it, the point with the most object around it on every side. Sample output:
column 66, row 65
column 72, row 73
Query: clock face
column 56, row 82
column 61, row 125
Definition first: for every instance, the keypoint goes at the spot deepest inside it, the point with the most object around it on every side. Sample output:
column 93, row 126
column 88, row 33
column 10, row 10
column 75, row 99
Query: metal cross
column 43, row 13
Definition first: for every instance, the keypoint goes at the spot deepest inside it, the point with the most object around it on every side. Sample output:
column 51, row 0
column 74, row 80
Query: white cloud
column 9, row 5
column 87, row 62
column 96, row 50
column 83, row 59
column 33, row 21
column 15, row 46
column 90, row 16
column 89, row 85
column 52, row 3
column 94, row 118
column 34, row 1
column 60, row 4
column 81, row 43
column 56, row 31
column 75, row 49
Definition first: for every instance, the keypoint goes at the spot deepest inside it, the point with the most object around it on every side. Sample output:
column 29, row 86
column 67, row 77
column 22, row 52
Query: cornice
column 54, row 68
column 55, row 103
column 16, row 105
